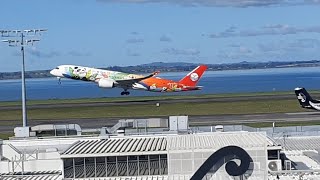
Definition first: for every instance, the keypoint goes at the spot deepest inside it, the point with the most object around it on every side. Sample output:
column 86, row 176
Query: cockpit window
column 76, row 67
column 57, row 67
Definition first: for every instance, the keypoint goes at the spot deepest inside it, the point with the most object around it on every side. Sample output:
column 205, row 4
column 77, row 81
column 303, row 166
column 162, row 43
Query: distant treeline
column 175, row 67
column 28, row 74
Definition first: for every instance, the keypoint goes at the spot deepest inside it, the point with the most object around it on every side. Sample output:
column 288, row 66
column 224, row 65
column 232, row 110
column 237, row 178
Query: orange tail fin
column 192, row 78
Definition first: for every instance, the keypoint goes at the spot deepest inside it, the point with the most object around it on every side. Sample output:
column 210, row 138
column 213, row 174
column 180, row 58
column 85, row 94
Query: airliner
column 126, row 81
column 305, row 100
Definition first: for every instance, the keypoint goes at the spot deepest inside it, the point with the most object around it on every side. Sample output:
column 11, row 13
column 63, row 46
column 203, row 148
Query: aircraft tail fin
column 304, row 97
column 192, row 78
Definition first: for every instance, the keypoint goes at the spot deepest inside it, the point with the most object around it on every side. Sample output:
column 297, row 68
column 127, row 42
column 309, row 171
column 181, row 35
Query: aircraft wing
column 130, row 82
column 189, row 88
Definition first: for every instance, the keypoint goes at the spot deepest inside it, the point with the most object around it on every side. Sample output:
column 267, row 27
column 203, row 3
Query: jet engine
column 105, row 83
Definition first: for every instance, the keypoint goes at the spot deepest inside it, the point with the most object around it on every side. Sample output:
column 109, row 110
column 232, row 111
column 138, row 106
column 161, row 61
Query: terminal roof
column 118, row 145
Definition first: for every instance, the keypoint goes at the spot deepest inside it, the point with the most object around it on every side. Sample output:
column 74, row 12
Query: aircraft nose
column 56, row 72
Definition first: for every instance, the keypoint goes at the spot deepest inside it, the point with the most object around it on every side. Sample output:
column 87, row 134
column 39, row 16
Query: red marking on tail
column 192, row 78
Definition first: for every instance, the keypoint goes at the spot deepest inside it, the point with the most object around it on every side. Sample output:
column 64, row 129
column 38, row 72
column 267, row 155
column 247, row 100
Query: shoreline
column 47, row 74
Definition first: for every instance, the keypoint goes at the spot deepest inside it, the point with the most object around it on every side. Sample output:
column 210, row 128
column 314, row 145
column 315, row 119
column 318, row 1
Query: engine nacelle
column 105, row 83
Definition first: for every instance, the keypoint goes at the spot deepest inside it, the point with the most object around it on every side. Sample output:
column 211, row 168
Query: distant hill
column 177, row 67
column 170, row 64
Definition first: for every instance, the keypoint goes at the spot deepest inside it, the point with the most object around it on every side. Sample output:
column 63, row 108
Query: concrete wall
column 33, row 165
column 4, row 166
column 36, row 154
column 44, row 165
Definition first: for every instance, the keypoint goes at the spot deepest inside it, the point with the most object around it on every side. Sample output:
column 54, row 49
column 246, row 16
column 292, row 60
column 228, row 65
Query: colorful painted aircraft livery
column 111, row 79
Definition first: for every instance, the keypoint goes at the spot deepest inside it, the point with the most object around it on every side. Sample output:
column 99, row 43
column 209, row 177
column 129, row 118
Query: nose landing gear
column 125, row 93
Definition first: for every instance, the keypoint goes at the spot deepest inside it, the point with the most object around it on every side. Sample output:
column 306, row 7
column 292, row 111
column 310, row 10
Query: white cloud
column 222, row 3
column 237, row 52
column 41, row 54
column 135, row 40
column 290, row 47
column 175, row 51
column 131, row 53
column 165, row 38
column 278, row 29
column 78, row 53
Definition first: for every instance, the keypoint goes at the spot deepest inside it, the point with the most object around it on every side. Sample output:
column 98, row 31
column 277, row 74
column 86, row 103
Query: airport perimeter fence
column 271, row 131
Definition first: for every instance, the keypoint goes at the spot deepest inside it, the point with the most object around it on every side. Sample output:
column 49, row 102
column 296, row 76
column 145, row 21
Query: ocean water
column 235, row 81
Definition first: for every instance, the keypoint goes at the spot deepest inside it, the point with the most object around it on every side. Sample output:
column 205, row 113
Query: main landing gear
column 125, row 93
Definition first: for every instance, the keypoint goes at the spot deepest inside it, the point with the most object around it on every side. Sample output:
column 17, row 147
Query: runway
column 200, row 120
column 193, row 120
column 166, row 101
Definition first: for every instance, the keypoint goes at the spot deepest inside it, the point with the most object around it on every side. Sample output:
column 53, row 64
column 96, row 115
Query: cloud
column 78, row 53
column 135, row 40
column 174, row 51
column 293, row 46
column 234, row 45
column 40, row 54
column 305, row 44
column 237, row 52
column 165, row 38
column 221, row 3
column 299, row 49
column 133, row 54
column 278, row 29
column 245, row 50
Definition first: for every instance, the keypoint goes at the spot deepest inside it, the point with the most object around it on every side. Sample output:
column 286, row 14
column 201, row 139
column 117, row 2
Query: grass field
column 13, row 117
column 201, row 108
column 283, row 124
column 144, row 98
column 5, row 135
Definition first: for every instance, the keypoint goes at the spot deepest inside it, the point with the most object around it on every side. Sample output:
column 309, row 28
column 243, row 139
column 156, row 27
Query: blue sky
column 103, row 33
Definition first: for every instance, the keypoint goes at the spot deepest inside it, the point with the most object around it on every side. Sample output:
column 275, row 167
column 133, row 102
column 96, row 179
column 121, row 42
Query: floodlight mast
column 22, row 43
column 23, row 85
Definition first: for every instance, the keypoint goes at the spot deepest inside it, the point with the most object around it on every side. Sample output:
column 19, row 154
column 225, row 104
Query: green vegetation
column 250, row 106
column 5, row 135
column 199, row 108
column 145, row 98
column 283, row 124
column 142, row 98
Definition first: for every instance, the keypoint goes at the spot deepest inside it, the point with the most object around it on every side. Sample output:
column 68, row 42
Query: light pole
column 22, row 43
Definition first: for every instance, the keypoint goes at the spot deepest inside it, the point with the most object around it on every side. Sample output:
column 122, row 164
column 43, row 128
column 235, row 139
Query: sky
column 102, row 33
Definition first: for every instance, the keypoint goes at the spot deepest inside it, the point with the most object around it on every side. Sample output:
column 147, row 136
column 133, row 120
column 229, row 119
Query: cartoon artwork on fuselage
column 91, row 74
column 110, row 79
column 81, row 73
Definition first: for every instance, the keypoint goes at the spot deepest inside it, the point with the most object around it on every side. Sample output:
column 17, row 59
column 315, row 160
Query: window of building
column 154, row 164
column 111, row 166
column 79, row 167
column 133, row 165
column 90, row 167
column 272, row 154
column 101, row 166
column 114, row 166
column 163, row 164
column 68, row 168
column 60, row 132
column 143, row 165
column 122, row 165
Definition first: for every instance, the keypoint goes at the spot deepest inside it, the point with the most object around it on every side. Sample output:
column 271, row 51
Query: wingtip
column 156, row 73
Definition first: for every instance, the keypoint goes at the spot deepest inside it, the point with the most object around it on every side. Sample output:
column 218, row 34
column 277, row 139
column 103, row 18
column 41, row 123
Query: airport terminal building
column 163, row 157
column 170, row 155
